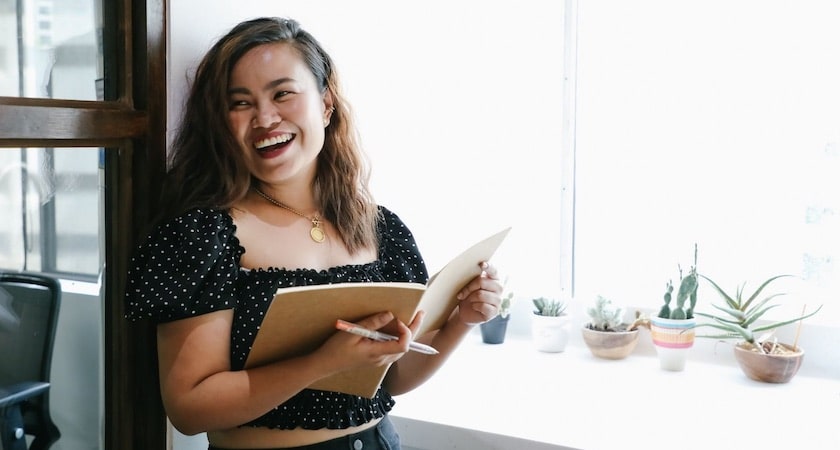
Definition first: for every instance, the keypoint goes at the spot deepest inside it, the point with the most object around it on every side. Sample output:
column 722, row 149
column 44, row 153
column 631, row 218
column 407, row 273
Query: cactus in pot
column 686, row 292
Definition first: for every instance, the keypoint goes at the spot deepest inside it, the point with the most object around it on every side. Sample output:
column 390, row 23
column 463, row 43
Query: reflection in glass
column 50, row 200
column 50, row 49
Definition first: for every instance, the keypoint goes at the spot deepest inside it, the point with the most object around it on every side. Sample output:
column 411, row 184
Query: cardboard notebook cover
column 300, row 319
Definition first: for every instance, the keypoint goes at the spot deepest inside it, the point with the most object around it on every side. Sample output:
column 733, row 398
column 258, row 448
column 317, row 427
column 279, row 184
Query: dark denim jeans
column 381, row 437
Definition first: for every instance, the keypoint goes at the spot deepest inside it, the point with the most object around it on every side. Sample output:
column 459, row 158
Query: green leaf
column 756, row 315
column 786, row 322
column 758, row 305
column 729, row 300
column 760, row 288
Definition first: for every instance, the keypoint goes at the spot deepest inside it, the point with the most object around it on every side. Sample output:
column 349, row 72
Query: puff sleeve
column 400, row 256
column 187, row 267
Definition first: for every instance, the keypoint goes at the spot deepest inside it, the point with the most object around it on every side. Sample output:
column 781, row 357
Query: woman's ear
column 328, row 107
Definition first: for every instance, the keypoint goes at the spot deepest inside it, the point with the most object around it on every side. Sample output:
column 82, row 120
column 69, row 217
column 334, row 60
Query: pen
column 350, row 327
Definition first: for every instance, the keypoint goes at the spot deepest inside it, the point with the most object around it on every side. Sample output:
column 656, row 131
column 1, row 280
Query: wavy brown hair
column 206, row 165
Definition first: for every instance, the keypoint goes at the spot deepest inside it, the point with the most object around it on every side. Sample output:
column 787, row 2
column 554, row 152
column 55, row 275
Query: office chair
column 29, row 304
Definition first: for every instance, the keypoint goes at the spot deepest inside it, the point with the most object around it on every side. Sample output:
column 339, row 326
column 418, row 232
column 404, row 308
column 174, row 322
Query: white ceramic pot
column 550, row 333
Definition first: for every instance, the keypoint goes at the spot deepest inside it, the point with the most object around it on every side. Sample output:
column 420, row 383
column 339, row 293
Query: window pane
column 50, row 199
column 50, row 49
column 728, row 139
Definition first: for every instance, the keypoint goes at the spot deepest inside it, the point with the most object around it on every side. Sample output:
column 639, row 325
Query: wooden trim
column 60, row 103
column 134, row 414
column 29, row 125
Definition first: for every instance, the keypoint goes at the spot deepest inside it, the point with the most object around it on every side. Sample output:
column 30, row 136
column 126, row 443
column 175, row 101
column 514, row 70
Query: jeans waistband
column 381, row 437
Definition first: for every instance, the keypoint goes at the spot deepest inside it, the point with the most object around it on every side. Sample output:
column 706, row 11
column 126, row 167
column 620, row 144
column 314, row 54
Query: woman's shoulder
column 196, row 223
column 398, row 250
column 199, row 218
column 390, row 222
column 186, row 267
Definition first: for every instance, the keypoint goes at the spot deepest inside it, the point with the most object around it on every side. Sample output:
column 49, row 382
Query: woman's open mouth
column 271, row 146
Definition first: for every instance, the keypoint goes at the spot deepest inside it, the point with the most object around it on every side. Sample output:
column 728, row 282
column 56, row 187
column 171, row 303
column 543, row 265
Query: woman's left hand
column 480, row 298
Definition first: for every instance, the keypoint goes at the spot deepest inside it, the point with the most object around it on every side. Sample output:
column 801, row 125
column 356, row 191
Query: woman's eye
column 281, row 94
column 238, row 104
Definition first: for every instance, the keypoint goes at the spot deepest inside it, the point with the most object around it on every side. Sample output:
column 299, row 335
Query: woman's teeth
column 274, row 140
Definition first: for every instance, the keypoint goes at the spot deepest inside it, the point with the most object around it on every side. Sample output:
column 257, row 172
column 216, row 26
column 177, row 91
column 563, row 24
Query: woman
column 267, row 188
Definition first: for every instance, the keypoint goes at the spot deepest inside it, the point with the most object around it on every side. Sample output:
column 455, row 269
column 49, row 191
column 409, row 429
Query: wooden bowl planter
column 769, row 367
column 772, row 362
column 610, row 344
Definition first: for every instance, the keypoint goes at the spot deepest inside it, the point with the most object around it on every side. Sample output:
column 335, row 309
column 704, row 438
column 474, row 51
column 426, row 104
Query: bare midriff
column 261, row 437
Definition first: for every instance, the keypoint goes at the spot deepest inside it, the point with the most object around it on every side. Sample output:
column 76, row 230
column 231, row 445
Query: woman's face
column 277, row 114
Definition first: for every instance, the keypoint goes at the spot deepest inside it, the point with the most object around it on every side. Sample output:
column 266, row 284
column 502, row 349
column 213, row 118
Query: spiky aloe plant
column 739, row 315
column 687, row 292
column 547, row 307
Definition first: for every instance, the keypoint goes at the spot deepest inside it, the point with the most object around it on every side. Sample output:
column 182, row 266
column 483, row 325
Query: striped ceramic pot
column 672, row 339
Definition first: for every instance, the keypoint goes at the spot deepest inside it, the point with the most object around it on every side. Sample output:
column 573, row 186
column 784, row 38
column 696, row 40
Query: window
column 51, row 194
column 713, row 123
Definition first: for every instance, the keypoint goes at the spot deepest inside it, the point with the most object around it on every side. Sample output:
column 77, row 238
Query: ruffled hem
column 308, row 411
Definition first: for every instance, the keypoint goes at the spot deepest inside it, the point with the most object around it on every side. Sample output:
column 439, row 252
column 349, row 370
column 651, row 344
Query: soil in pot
column 778, row 365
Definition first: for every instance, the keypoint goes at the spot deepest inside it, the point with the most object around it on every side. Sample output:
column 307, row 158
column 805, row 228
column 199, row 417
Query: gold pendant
column 317, row 234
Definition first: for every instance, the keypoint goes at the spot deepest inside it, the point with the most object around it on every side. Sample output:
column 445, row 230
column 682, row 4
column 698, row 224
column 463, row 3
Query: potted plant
column 493, row 331
column 760, row 356
column 606, row 334
column 548, row 325
column 672, row 328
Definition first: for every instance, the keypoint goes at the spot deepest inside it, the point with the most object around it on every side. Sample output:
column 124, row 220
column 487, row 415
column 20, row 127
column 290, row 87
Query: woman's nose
column 266, row 116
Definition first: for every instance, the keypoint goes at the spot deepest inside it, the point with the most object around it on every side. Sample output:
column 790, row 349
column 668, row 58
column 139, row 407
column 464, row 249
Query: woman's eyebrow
column 270, row 85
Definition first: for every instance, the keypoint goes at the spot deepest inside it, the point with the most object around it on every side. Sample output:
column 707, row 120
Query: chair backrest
column 29, row 305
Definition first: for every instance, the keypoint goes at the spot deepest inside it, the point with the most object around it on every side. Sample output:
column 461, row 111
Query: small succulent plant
column 549, row 307
column 605, row 316
column 507, row 298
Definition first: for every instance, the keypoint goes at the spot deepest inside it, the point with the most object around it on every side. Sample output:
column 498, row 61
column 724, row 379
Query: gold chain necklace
column 316, row 232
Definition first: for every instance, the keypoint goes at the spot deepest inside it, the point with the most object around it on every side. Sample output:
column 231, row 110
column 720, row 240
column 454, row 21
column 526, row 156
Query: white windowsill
column 512, row 396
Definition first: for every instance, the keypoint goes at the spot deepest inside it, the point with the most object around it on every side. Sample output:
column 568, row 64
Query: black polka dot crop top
column 190, row 266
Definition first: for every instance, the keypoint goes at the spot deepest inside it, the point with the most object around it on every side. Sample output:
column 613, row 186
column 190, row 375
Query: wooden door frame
column 131, row 125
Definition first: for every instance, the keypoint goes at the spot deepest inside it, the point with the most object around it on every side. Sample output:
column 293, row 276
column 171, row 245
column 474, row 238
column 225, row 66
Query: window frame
column 130, row 126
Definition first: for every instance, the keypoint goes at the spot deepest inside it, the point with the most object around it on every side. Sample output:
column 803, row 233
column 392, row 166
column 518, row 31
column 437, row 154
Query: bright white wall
column 459, row 107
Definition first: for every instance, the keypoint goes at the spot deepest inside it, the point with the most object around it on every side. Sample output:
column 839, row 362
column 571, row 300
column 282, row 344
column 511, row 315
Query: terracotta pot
column 769, row 368
column 610, row 344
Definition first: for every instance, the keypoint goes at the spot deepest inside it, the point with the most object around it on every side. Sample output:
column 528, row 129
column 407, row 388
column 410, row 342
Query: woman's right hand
column 347, row 351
